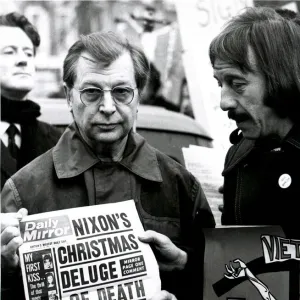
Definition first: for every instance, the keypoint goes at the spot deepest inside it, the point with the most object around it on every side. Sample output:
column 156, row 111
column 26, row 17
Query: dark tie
column 11, row 131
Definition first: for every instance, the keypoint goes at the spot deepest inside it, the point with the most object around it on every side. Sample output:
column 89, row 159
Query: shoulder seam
column 14, row 189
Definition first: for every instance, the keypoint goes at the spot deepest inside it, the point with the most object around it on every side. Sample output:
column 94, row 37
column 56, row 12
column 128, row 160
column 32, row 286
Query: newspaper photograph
column 88, row 252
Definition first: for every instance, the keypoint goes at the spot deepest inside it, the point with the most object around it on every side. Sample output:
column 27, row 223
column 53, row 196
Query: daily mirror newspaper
column 87, row 253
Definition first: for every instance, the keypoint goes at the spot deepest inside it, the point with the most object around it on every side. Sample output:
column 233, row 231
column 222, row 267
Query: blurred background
column 174, row 35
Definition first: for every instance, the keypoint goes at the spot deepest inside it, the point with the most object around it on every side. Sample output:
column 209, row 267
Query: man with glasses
column 99, row 159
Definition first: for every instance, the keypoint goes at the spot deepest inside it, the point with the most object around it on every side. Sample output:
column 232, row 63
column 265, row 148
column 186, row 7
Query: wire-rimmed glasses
column 93, row 95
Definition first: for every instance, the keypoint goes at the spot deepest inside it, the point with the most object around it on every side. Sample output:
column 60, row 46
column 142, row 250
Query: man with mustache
column 256, row 62
column 100, row 159
column 23, row 137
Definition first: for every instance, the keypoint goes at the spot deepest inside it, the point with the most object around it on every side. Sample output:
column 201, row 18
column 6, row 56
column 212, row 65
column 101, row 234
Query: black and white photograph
column 188, row 110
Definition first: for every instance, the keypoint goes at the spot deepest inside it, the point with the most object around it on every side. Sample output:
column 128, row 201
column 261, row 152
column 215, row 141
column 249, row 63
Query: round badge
column 285, row 181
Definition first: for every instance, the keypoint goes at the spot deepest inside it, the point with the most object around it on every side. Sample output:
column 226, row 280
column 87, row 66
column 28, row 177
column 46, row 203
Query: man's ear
column 68, row 96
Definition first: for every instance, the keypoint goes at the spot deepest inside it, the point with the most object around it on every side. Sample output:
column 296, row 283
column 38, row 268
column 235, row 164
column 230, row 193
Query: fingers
column 11, row 248
column 23, row 212
column 151, row 236
column 242, row 264
column 231, row 267
column 231, row 271
column 163, row 295
column 10, row 243
column 8, row 234
column 12, row 219
column 228, row 270
column 10, row 237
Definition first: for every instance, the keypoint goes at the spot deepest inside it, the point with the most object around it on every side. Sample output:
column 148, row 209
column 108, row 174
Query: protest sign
column 206, row 164
column 199, row 22
column 250, row 262
column 87, row 253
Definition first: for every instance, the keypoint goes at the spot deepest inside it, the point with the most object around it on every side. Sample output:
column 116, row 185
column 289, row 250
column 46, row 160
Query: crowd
column 256, row 62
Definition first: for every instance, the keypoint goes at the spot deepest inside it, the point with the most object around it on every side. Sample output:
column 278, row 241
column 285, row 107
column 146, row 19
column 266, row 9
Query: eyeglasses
column 120, row 95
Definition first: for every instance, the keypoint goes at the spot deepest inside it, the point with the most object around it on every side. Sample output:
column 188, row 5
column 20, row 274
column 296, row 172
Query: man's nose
column 227, row 100
column 21, row 58
column 107, row 105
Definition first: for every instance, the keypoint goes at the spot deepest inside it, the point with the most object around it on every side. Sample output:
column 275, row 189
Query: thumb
column 146, row 236
column 163, row 295
column 23, row 212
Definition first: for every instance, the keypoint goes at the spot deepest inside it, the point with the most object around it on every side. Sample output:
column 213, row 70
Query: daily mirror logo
column 43, row 229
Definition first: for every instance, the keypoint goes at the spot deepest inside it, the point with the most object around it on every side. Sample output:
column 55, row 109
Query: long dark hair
column 275, row 42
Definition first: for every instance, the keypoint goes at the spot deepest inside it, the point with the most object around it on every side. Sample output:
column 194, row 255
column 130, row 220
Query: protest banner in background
column 254, row 262
column 199, row 22
column 87, row 253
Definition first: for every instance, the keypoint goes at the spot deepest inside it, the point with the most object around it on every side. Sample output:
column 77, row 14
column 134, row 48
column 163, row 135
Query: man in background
column 256, row 62
column 23, row 137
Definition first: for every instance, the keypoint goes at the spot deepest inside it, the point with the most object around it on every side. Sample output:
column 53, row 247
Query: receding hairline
column 105, row 47
column 98, row 64
column 85, row 55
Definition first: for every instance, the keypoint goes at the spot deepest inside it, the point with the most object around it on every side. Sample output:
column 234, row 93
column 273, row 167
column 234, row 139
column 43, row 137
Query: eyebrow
column 122, row 82
column 231, row 76
column 89, row 59
column 15, row 47
column 98, row 84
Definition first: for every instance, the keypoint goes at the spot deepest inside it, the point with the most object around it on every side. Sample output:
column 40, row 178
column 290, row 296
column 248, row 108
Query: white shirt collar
column 5, row 125
column 3, row 135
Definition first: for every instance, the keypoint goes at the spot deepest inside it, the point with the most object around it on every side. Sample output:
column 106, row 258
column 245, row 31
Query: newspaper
column 87, row 253
column 206, row 164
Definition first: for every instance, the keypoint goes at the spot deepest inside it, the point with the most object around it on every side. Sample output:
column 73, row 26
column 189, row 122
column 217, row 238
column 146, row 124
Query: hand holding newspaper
column 87, row 253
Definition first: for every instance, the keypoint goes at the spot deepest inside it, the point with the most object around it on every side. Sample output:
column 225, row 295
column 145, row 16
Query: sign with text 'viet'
column 250, row 262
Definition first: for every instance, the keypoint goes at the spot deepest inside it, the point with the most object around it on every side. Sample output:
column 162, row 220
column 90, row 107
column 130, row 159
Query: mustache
column 238, row 117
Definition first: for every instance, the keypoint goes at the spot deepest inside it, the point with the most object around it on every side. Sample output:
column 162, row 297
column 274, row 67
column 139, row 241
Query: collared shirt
column 4, row 137
column 112, row 181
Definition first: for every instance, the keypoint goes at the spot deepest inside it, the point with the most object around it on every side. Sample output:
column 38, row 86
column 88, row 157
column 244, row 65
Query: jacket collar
column 293, row 137
column 244, row 147
column 72, row 156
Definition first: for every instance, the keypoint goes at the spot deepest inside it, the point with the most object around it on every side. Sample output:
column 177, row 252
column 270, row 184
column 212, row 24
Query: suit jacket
column 36, row 138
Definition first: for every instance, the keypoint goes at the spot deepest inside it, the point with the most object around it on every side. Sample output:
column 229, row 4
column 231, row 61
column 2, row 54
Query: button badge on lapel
column 284, row 181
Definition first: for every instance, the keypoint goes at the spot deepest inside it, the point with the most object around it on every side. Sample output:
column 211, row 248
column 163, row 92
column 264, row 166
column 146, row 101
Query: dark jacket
column 168, row 198
column 253, row 194
column 37, row 137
